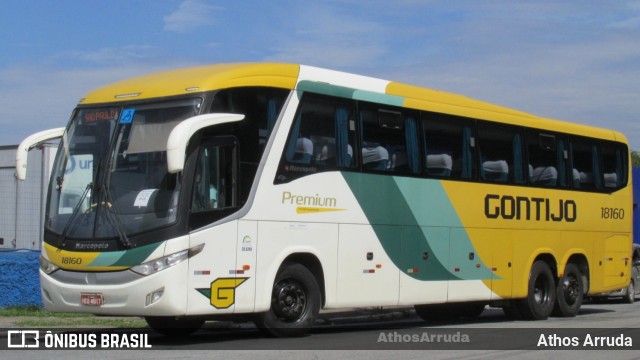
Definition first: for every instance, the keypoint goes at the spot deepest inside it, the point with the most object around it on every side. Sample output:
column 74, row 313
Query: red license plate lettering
column 91, row 299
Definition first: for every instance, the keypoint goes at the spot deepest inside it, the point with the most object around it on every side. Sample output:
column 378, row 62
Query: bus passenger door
column 214, row 277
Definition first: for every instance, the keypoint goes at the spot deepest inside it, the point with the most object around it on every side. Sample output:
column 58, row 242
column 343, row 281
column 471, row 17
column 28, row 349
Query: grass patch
column 89, row 322
column 35, row 316
column 35, row 311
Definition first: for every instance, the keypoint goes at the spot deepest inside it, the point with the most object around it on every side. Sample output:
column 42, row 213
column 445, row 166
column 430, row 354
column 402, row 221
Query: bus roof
column 194, row 80
column 212, row 77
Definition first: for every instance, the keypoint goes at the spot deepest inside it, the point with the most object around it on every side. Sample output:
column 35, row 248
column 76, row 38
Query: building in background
column 22, row 206
column 23, row 202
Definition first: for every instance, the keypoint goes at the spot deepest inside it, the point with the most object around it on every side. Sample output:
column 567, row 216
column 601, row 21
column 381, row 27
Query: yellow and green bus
column 273, row 191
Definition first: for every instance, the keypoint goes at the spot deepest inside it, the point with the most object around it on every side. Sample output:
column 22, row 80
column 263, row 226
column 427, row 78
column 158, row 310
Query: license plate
column 91, row 299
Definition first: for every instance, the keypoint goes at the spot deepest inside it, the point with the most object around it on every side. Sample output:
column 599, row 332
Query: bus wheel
column 631, row 293
column 472, row 310
column 569, row 292
column 295, row 303
column 541, row 295
column 174, row 326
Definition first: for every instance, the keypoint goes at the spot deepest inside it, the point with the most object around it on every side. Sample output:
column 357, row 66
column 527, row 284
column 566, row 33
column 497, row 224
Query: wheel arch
column 311, row 262
column 580, row 260
column 303, row 255
column 551, row 261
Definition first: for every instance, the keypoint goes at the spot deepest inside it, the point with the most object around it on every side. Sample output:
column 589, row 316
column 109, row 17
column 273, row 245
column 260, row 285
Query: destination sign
column 95, row 115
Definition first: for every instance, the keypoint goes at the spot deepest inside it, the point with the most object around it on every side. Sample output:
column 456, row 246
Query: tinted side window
column 547, row 164
column 261, row 107
column 215, row 191
column 449, row 146
column 322, row 138
column 500, row 149
column 389, row 139
column 614, row 165
column 585, row 170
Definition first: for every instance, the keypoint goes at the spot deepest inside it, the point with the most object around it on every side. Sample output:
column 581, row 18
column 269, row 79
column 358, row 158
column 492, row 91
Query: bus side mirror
column 182, row 133
column 29, row 143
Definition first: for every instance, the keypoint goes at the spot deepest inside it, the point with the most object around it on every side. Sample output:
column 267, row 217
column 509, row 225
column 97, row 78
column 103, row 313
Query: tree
column 635, row 158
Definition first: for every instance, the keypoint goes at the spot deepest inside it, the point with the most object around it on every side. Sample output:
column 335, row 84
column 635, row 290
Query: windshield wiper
column 74, row 216
column 113, row 219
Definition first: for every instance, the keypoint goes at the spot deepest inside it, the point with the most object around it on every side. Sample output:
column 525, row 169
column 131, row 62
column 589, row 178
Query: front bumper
column 125, row 293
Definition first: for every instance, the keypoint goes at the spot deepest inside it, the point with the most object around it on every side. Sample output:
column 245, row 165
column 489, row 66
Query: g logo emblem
column 223, row 291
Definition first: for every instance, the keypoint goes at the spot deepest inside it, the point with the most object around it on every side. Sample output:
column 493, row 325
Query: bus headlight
column 47, row 266
column 153, row 266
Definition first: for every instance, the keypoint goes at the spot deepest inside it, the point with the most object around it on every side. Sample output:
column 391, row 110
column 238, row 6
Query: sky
column 571, row 60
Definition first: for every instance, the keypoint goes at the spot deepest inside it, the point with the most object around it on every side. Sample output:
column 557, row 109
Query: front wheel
column 295, row 303
column 541, row 295
column 569, row 292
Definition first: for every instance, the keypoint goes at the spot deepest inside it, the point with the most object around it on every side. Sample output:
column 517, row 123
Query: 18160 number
column 612, row 213
column 71, row 260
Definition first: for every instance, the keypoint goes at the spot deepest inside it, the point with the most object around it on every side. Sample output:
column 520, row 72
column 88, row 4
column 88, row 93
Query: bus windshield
column 110, row 177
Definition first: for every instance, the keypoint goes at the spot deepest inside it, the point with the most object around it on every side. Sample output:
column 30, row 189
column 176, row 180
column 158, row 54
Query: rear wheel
column 541, row 296
column 174, row 326
column 295, row 303
column 569, row 292
column 630, row 297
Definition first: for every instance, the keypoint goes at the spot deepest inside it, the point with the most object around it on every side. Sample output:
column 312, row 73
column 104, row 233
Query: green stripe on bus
column 417, row 233
column 125, row 258
column 349, row 93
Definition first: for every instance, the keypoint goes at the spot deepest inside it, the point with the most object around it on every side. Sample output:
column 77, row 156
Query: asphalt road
column 399, row 334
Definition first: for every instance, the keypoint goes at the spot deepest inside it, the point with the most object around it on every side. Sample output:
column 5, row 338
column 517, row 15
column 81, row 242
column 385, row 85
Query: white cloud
column 629, row 23
column 37, row 98
column 593, row 82
column 110, row 55
column 571, row 65
column 330, row 37
column 191, row 14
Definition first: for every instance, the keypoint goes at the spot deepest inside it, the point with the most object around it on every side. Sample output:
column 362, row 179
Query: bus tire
column 472, row 310
column 569, row 292
column 630, row 297
column 174, row 326
column 295, row 303
column 541, row 293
